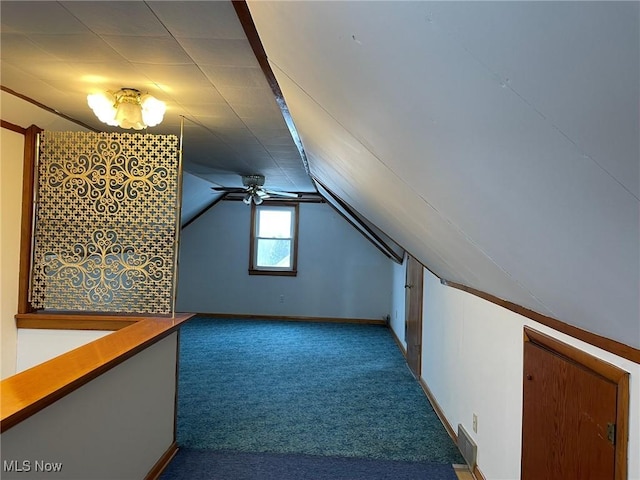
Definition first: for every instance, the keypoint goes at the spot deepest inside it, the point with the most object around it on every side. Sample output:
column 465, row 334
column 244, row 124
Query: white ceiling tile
column 148, row 50
column 250, row 149
column 235, row 53
column 275, row 136
column 86, row 48
column 219, row 111
column 250, row 100
column 200, row 100
column 132, row 18
column 186, row 82
column 216, row 20
column 239, row 77
column 38, row 17
column 263, row 121
column 283, row 151
column 109, row 76
column 242, row 136
column 271, row 115
column 199, row 137
column 58, row 73
column 198, row 107
column 292, row 163
column 184, row 77
column 215, row 122
column 20, row 48
column 26, row 84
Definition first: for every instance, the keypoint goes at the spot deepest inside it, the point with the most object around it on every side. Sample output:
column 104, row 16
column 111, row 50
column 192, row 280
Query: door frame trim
column 606, row 370
column 409, row 292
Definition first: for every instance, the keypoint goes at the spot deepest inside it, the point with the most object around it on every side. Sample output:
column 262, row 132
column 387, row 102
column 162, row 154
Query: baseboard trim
column 478, row 474
column 162, row 463
column 289, row 318
column 438, row 410
column 436, row 407
column 398, row 342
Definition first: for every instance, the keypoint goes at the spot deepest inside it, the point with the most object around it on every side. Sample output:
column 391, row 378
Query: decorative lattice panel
column 105, row 230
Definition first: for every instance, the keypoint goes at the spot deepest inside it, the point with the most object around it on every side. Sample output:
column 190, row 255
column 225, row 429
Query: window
column 274, row 239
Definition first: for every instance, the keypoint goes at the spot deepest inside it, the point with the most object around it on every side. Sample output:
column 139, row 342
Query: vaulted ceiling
column 498, row 142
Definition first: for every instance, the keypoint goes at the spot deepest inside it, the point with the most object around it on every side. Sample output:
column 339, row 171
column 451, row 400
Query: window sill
column 276, row 273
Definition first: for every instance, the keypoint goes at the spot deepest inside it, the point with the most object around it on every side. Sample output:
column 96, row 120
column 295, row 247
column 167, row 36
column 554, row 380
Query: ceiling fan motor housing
column 253, row 180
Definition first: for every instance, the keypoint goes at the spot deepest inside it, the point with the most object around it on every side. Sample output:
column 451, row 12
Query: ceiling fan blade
column 229, row 189
column 277, row 193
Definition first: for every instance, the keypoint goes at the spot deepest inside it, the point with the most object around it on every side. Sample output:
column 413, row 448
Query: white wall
column 24, row 114
column 340, row 274
column 35, row 346
column 114, row 427
column 398, row 300
column 472, row 362
column 12, row 147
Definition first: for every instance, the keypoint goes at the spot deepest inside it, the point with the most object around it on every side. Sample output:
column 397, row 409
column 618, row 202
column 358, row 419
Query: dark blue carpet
column 279, row 396
column 207, row 465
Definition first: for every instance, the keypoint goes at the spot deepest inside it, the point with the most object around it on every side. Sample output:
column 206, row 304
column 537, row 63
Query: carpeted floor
column 311, row 389
column 207, row 465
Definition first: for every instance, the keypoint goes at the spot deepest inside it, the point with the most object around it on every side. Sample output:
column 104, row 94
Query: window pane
column 274, row 253
column 274, row 223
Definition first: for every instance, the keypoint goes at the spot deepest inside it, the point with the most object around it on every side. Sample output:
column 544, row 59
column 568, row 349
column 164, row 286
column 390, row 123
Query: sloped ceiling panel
column 197, row 195
column 496, row 141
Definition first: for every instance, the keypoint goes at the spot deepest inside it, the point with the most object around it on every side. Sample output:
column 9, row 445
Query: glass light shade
column 247, row 199
column 103, row 105
column 152, row 110
column 129, row 115
column 126, row 108
column 257, row 199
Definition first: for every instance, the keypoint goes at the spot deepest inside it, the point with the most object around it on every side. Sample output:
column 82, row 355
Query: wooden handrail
column 75, row 321
column 28, row 392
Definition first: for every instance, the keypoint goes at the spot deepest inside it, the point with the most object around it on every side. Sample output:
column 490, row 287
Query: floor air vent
column 467, row 447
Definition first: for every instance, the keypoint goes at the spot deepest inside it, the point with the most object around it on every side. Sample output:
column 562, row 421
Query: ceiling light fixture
column 127, row 108
column 252, row 196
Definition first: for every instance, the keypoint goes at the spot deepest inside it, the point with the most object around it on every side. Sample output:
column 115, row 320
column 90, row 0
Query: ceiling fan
column 254, row 190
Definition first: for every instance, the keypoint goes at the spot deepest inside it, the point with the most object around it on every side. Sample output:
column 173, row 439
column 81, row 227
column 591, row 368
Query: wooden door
column 569, row 417
column 413, row 315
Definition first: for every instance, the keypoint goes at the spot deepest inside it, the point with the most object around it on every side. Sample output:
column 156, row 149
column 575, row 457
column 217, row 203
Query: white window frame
column 254, row 269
